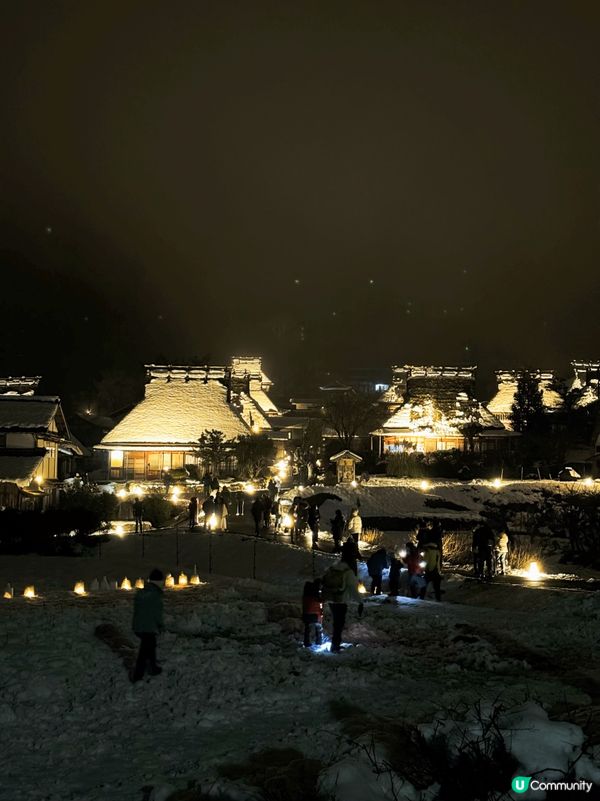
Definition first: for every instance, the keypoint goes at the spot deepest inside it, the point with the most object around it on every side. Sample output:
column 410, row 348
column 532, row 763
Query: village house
column 36, row 447
column 507, row 380
column 160, row 434
column 434, row 409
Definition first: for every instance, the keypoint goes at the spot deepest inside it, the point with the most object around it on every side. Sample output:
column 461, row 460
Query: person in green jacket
column 147, row 623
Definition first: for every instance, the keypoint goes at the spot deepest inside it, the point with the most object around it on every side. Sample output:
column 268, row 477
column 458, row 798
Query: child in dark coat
column 312, row 612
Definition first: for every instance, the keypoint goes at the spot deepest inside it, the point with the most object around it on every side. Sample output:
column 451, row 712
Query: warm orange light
column 139, row 584
column 79, row 588
column 29, row 592
column 125, row 584
column 182, row 580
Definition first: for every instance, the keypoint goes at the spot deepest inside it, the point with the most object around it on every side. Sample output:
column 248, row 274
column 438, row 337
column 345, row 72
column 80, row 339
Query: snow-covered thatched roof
column 177, row 412
column 27, row 412
column 20, row 469
column 501, row 403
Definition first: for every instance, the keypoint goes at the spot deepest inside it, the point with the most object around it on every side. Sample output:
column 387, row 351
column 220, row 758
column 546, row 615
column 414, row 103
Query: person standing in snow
column 415, row 565
column 340, row 588
column 257, row 513
column 501, row 552
column 193, row 512
column 208, row 507
column 138, row 515
column 338, row 524
column 206, row 483
column 395, row 568
column 355, row 525
column 483, row 546
column 312, row 612
column 376, row 564
column 266, row 509
column 314, row 522
column 147, row 624
column 240, row 502
column 433, row 569
column 351, row 554
column 222, row 512
column 214, row 484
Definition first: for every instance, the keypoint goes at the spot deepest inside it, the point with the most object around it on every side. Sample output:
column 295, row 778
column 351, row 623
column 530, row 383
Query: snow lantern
column 287, row 521
column 125, row 584
column 361, row 588
column 195, row 578
column 79, row 588
column 169, row 580
column 182, row 580
column 139, row 584
column 29, row 592
column 424, row 485
column 9, row 592
column 120, row 530
column 534, row 573
column 249, row 489
column 497, row 483
column 94, row 586
column 212, row 522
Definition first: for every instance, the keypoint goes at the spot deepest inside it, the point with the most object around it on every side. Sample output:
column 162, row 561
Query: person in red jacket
column 416, row 569
column 312, row 612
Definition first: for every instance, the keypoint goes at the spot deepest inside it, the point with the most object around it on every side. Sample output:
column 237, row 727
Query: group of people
column 490, row 551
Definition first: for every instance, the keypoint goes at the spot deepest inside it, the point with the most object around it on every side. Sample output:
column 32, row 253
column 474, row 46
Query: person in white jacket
column 340, row 588
column 355, row 525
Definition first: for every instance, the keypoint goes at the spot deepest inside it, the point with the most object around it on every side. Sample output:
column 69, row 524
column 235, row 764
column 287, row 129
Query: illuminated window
column 116, row 458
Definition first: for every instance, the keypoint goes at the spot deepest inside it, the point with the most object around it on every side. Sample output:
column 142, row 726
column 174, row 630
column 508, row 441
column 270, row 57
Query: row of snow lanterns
column 79, row 589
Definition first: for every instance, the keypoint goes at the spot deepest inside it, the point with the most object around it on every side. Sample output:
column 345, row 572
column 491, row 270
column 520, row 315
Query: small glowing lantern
column 534, row 572
column 354, row 483
column 138, row 491
column 588, row 482
column 195, row 579
column 169, row 580
column 212, row 522
column 424, row 485
column 361, row 588
column 120, row 530
column 403, row 553
column 497, row 483
column 9, row 592
column 287, row 521
column 29, row 592
column 79, row 588
column 125, row 584
column 174, row 494
column 122, row 493
column 139, row 584
column 182, row 581
column 249, row 489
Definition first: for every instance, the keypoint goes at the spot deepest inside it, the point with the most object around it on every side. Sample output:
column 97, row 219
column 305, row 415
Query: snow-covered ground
column 236, row 682
column 389, row 497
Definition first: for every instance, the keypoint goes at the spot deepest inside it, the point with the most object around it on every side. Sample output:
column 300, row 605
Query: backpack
column 333, row 584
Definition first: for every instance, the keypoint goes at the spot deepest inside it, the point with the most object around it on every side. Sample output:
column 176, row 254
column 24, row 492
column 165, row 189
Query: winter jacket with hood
column 355, row 525
column 349, row 593
column 502, row 543
column 148, row 609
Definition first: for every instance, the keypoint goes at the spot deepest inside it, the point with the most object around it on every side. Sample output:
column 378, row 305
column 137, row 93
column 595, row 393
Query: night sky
column 329, row 185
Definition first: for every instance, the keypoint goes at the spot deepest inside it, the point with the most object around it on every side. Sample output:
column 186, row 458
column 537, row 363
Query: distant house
column 433, row 409
column 36, row 446
column 501, row 404
column 161, row 432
